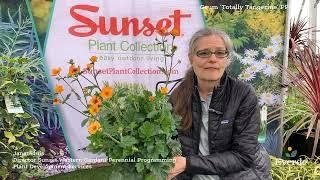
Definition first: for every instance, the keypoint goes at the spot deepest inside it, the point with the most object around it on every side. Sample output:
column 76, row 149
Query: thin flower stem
column 78, row 96
column 164, row 53
column 88, row 80
column 175, row 65
column 172, row 53
column 63, row 99
column 85, row 98
column 95, row 77
column 73, row 90
column 165, row 60
column 65, row 81
column 112, row 138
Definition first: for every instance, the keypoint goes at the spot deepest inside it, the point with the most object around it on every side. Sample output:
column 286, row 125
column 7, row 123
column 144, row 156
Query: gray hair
column 208, row 32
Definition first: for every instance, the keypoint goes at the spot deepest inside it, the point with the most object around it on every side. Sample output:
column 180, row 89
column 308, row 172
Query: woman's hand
column 179, row 167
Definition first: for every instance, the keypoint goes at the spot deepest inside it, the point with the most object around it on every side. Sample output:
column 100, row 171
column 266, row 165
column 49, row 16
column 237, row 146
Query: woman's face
column 210, row 58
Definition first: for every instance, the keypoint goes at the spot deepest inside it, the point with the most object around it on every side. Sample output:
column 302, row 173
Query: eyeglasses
column 206, row 53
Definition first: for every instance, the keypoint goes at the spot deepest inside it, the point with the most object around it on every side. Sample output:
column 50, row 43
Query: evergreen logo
column 290, row 153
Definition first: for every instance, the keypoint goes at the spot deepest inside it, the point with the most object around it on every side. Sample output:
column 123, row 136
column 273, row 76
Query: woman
column 220, row 117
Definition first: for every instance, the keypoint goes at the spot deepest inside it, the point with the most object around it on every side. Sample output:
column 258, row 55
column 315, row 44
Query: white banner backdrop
column 122, row 35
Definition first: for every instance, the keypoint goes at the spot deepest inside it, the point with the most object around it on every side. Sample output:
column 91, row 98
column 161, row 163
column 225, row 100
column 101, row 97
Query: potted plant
column 133, row 126
column 304, row 78
column 19, row 149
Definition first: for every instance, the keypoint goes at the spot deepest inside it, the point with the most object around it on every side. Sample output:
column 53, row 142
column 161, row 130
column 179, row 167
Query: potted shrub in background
column 304, row 78
column 18, row 41
column 19, row 148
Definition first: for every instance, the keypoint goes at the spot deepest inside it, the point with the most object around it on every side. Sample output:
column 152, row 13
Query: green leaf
column 5, row 146
column 128, row 141
column 150, row 148
column 6, row 83
column 22, row 42
column 146, row 130
column 127, row 152
column 139, row 117
column 139, row 167
column 152, row 114
column 23, row 115
column 175, row 147
column 22, row 87
column 67, row 97
column 165, row 124
column 34, row 132
column 5, row 162
column 27, row 136
column 116, row 176
column 20, row 133
column 147, row 93
column 162, row 70
column 132, row 125
column 3, row 172
column 162, row 149
column 84, row 122
column 294, row 153
column 20, row 145
column 150, row 177
column 10, row 136
column 11, row 89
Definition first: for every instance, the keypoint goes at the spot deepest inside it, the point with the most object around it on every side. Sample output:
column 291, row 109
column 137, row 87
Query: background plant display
column 303, row 112
column 41, row 12
column 131, row 125
column 300, row 170
column 21, row 59
column 257, row 35
column 18, row 131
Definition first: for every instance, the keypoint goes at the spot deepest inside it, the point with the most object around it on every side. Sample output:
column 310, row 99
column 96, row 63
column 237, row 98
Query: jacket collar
column 218, row 91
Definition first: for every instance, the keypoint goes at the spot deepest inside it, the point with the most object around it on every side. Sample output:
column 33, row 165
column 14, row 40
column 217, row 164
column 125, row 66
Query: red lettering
column 150, row 30
column 161, row 21
column 177, row 19
column 89, row 27
column 113, row 29
column 103, row 26
column 88, row 23
column 135, row 26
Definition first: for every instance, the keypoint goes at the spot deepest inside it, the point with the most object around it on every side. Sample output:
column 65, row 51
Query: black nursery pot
column 303, row 146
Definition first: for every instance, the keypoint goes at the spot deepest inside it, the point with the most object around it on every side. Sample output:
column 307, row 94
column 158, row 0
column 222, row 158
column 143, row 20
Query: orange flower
column 95, row 101
column 56, row 71
column 164, row 90
column 94, row 127
column 56, row 101
column 151, row 98
column 58, row 89
column 94, row 109
column 73, row 70
column 175, row 32
column 89, row 66
column 163, row 32
column 106, row 92
column 93, row 59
